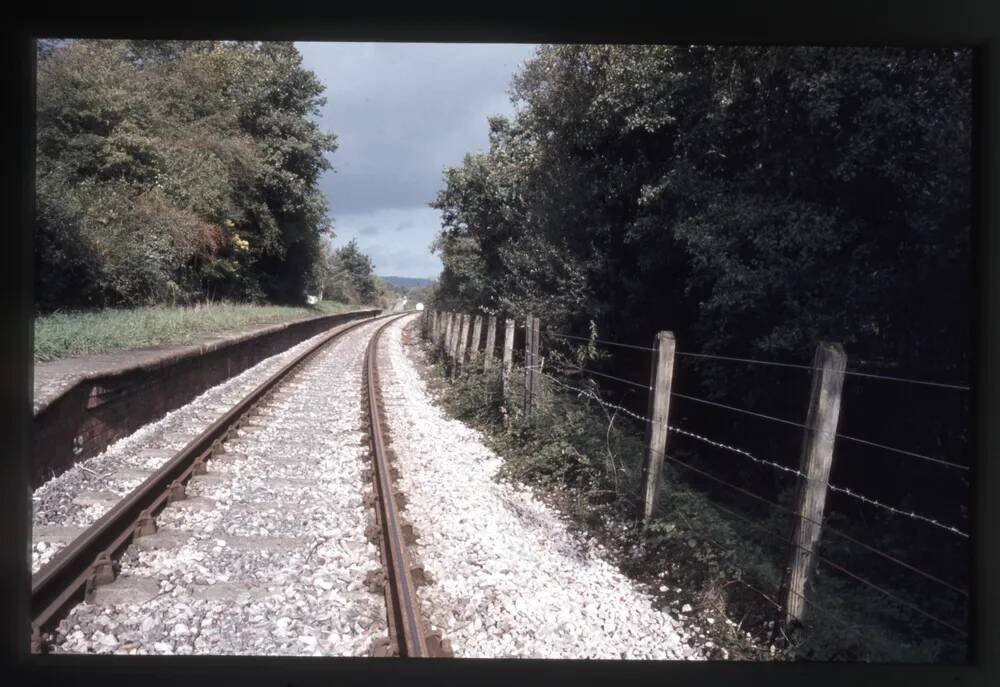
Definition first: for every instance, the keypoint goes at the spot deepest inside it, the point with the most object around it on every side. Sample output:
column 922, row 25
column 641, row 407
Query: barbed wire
column 854, row 373
column 600, row 341
column 910, row 514
column 833, row 565
column 829, row 485
column 594, row 396
column 809, row 602
column 602, row 374
column 819, row 431
column 773, row 363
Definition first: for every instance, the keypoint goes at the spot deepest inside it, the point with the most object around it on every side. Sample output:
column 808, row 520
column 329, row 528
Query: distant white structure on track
column 420, row 306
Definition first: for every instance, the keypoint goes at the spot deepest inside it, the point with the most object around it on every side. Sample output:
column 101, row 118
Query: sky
column 402, row 113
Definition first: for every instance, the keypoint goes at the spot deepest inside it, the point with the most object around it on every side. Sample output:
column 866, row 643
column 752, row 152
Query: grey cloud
column 402, row 113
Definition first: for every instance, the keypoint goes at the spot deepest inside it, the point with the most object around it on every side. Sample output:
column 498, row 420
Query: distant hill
column 407, row 283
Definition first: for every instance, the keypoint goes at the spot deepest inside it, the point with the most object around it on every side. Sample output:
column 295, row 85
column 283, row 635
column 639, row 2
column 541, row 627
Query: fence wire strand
column 601, row 341
column 806, row 427
column 798, row 473
column 592, row 395
column 772, row 363
column 607, row 376
column 829, row 485
column 833, row 565
column 853, row 373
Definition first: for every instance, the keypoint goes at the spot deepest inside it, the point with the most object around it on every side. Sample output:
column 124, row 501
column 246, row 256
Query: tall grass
column 67, row 334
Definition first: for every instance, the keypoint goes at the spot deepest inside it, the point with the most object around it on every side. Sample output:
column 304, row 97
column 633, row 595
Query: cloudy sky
column 402, row 112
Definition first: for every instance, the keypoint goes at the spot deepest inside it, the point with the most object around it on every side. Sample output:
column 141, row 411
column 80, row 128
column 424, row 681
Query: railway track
column 78, row 571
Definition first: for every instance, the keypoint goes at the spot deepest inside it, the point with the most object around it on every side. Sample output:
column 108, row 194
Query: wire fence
column 762, row 461
column 773, row 363
column 800, row 476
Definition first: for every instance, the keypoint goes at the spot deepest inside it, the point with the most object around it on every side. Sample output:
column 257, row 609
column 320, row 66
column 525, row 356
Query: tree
column 170, row 170
column 751, row 199
column 349, row 276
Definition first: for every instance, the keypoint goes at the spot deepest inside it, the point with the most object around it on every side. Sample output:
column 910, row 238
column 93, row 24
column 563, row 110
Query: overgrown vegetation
column 754, row 201
column 588, row 458
column 65, row 334
column 173, row 171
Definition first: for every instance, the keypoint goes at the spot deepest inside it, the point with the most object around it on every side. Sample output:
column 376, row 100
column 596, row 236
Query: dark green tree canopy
column 751, row 199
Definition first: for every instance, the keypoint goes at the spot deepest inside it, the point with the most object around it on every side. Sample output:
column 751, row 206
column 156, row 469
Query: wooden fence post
column 531, row 362
column 463, row 339
column 661, row 378
column 536, row 358
column 491, row 342
column 538, row 387
column 477, row 333
column 446, row 334
column 456, row 328
column 829, row 364
column 453, row 337
column 527, row 364
column 508, row 353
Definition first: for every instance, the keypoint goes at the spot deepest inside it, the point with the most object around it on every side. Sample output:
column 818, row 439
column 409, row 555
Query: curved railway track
column 408, row 635
column 91, row 560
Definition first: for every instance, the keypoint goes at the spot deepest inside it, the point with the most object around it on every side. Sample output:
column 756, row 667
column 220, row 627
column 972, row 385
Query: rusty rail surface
column 408, row 635
column 89, row 560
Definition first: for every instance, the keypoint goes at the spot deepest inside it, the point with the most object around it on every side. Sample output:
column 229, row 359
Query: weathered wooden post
column 661, row 378
column 456, row 330
column 531, row 362
column 446, row 338
column 829, row 364
column 508, row 353
column 477, row 333
column 527, row 364
column 443, row 328
column 491, row 342
column 463, row 340
column 536, row 357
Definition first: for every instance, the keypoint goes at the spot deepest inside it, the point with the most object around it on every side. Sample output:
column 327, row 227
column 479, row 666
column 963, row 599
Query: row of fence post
column 451, row 331
column 460, row 337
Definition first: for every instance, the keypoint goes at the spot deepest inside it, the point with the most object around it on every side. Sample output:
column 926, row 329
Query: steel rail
column 69, row 576
column 408, row 636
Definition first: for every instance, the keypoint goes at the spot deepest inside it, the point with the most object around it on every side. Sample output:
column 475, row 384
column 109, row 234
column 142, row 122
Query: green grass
column 67, row 334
